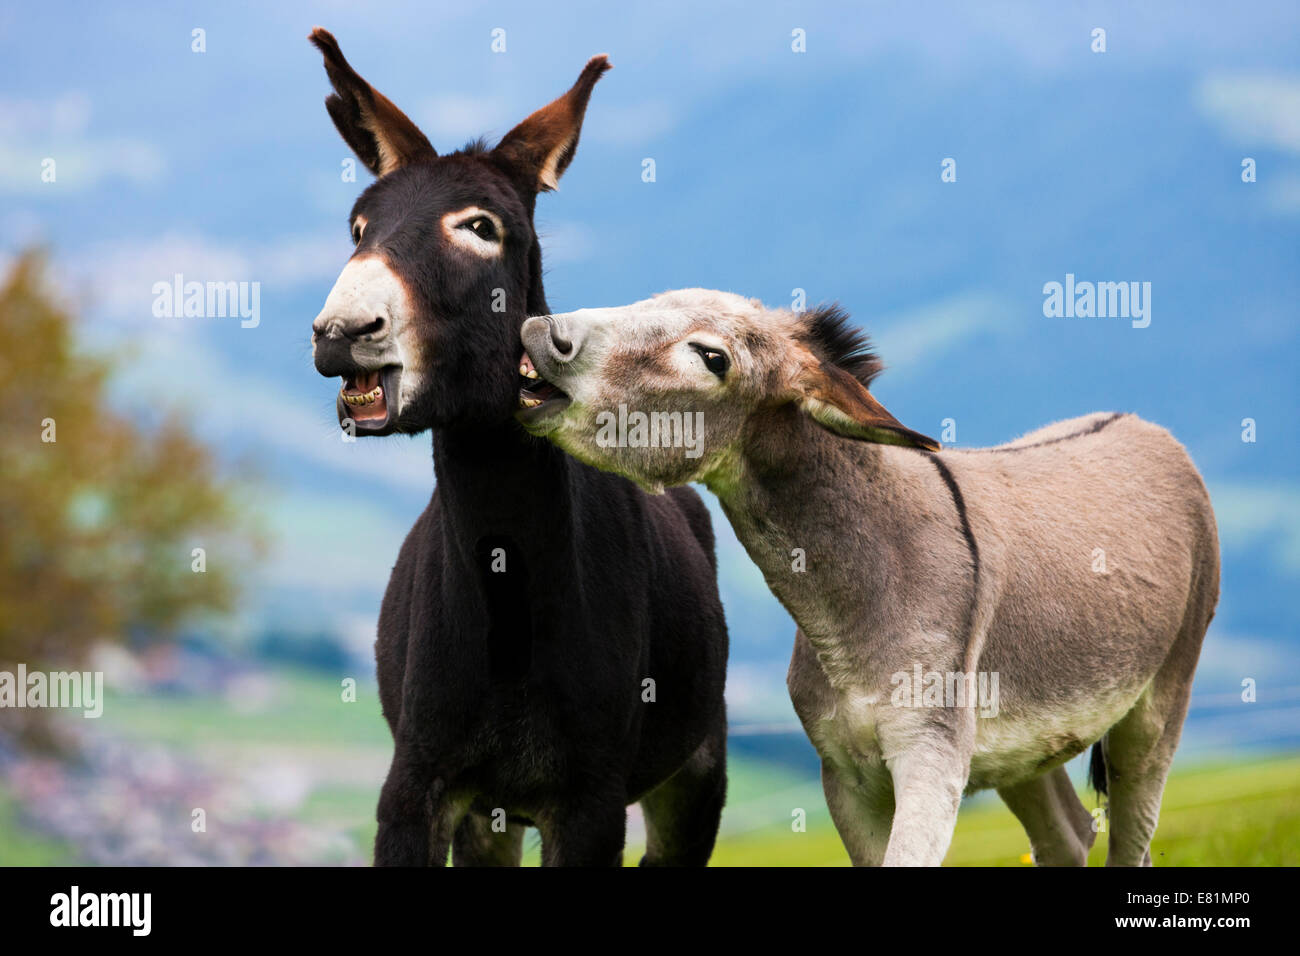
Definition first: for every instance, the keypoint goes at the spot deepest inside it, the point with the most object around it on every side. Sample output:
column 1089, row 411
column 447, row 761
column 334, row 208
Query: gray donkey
column 967, row 619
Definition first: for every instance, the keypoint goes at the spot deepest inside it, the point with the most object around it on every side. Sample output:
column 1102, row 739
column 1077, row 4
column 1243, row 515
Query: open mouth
column 538, row 398
column 364, row 396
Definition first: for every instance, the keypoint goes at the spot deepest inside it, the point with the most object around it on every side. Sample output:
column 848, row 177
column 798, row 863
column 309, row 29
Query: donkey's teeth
column 363, row 398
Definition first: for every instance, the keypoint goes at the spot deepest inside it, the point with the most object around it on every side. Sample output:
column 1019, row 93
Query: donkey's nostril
column 561, row 341
column 372, row 328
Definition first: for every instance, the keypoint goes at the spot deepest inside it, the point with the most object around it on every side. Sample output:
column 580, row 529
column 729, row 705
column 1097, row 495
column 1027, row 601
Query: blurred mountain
column 775, row 171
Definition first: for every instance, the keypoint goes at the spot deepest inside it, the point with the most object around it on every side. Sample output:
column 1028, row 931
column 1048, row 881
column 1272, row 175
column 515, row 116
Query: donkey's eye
column 715, row 361
column 358, row 228
column 483, row 227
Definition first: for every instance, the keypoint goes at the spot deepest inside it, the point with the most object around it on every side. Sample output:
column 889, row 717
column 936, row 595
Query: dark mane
column 475, row 147
column 830, row 334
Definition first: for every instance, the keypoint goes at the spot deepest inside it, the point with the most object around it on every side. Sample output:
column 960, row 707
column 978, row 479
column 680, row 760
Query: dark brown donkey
column 551, row 645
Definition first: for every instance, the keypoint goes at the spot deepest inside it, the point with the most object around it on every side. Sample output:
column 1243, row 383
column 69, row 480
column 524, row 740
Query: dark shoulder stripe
column 960, row 504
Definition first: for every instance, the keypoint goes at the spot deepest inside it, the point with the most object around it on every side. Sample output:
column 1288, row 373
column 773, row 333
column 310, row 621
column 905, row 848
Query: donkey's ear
column 540, row 148
column 840, row 403
column 379, row 133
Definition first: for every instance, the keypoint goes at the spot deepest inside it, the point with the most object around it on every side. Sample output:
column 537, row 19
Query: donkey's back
column 1121, row 490
column 1098, row 576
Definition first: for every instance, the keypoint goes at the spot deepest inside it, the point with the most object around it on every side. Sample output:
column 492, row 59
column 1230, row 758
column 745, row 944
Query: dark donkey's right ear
column 381, row 135
column 540, row 148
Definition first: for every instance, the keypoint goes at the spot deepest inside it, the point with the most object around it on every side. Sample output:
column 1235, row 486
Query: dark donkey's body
column 551, row 645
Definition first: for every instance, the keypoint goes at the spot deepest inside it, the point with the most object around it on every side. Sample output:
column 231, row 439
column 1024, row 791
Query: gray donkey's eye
column 715, row 361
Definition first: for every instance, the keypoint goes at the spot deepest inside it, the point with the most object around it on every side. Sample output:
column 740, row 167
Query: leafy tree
column 100, row 513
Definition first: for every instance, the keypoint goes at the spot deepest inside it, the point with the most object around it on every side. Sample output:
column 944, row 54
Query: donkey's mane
column 830, row 333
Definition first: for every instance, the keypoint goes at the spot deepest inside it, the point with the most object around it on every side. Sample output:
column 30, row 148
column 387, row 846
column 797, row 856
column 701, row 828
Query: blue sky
column 775, row 170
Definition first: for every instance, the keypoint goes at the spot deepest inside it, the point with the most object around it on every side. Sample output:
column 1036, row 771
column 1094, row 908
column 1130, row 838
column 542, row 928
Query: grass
column 1243, row 813
column 303, row 710
column 18, row 847
column 1228, row 814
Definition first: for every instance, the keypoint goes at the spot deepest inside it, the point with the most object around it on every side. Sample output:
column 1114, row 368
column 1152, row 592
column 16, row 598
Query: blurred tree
column 98, row 525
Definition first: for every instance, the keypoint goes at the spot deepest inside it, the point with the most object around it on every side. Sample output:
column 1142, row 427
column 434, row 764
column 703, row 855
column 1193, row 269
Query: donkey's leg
column 1140, row 748
column 476, row 843
column 1139, row 751
column 1059, row 826
column 414, row 823
column 683, row 812
column 862, row 812
column 586, row 833
column 445, row 817
column 929, row 777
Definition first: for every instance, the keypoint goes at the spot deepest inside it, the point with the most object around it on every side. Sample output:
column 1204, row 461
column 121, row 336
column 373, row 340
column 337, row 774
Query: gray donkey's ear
column 840, row 403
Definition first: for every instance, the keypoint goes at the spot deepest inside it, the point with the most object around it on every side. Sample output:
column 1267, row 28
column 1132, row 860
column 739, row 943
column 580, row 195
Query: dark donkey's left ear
column 381, row 135
column 540, row 148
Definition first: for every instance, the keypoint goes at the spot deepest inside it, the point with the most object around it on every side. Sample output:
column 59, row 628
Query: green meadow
column 1241, row 813
column 1244, row 813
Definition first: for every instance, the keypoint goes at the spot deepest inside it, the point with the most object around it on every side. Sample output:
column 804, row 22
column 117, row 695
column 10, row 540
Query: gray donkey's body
column 1064, row 582
column 1083, row 641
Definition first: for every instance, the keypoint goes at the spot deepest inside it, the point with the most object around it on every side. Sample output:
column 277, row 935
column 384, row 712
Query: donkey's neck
column 500, row 482
column 828, row 520
column 796, row 488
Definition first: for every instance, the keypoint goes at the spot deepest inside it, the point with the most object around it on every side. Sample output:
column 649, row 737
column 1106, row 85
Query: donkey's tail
column 1097, row 769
